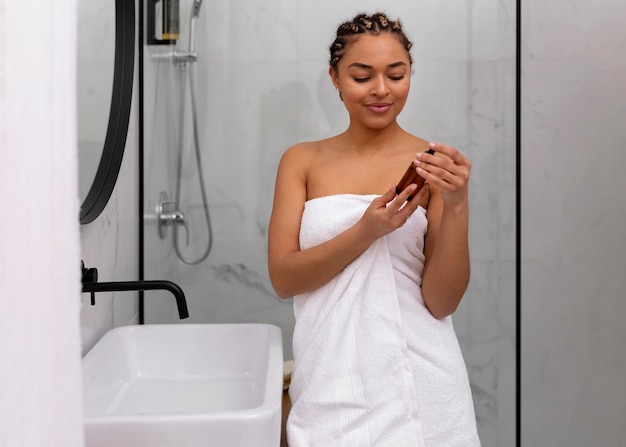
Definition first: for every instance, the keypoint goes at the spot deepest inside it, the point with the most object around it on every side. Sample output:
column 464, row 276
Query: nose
column 380, row 87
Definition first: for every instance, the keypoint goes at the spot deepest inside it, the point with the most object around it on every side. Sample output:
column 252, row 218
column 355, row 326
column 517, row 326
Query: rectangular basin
column 184, row 385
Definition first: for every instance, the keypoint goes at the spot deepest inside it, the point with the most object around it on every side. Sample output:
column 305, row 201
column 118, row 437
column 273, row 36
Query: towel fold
column 364, row 373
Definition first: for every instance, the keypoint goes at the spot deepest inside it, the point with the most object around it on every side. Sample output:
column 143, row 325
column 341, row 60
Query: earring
column 339, row 91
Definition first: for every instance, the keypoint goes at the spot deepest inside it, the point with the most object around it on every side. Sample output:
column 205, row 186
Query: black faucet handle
column 89, row 275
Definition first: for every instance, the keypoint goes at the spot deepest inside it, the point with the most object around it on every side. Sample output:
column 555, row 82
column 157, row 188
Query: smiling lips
column 379, row 107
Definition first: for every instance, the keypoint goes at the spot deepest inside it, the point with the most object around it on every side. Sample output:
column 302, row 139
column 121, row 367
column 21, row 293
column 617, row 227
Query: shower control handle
column 168, row 215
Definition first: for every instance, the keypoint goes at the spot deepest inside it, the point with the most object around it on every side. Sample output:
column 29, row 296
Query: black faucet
column 91, row 285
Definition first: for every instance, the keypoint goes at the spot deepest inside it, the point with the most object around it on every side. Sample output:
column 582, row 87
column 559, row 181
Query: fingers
column 451, row 155
column 457, row 157
column 398, row 207
column 449, row 172
column 405, row 194
column 389, row 212
column 422, row 193
column 381, row 202
column 402, row 207
column 387, row 199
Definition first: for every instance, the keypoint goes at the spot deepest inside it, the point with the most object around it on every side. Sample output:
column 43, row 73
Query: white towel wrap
column 372, row 367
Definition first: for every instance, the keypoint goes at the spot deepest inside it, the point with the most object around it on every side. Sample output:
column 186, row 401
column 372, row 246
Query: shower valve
column 167, row 215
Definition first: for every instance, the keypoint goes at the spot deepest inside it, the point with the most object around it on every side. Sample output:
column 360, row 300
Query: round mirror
column 105, row 65
column 94, row 77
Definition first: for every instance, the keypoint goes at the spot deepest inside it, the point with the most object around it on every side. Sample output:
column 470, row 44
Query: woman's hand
column 450, row 173
column 389, row 212
column 447, row 267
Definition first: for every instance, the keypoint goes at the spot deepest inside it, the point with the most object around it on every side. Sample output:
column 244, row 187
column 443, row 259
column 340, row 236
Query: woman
column 376, row 359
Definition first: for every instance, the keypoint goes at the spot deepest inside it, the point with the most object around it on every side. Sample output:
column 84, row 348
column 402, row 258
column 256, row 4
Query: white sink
column 184, row 385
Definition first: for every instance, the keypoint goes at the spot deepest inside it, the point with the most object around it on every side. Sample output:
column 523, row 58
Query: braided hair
column 349, row 32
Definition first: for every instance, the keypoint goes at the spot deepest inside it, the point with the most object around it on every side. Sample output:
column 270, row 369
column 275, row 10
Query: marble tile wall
column 262, row 85
column 573, row 212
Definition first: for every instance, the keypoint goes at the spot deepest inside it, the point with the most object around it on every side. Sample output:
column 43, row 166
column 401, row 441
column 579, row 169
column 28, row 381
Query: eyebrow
column 369, row 67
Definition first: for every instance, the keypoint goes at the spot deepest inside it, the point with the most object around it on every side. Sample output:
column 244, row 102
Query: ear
column 333, row 77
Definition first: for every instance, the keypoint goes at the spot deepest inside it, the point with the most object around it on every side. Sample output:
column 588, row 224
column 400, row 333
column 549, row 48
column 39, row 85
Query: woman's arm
column 447, row 268
column 292, row 270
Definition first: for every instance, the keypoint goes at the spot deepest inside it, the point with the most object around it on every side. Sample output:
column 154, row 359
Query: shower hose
column 196, row 145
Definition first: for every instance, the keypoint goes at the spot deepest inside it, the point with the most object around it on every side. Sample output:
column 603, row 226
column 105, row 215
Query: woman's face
column 374, row 77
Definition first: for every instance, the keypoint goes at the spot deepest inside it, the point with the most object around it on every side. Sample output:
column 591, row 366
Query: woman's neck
column 365, row 139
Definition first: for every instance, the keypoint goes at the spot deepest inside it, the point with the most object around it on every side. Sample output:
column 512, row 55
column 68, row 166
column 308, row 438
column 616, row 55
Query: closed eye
column 393, row 78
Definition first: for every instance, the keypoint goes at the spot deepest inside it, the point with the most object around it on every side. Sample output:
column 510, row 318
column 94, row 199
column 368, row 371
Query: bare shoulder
column 302, row 155
column 303, row 151
column 413, row 144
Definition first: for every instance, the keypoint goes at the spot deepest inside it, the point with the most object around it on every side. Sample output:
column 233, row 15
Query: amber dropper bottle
column 411, row 176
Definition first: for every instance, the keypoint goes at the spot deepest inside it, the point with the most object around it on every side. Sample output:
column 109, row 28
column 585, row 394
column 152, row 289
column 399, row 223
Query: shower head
column 195, row 9
column 195, row 12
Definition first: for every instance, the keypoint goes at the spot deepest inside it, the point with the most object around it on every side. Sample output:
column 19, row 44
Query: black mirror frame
column 119, row 115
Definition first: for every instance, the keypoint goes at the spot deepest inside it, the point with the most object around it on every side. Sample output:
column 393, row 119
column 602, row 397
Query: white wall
column 573, row 214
